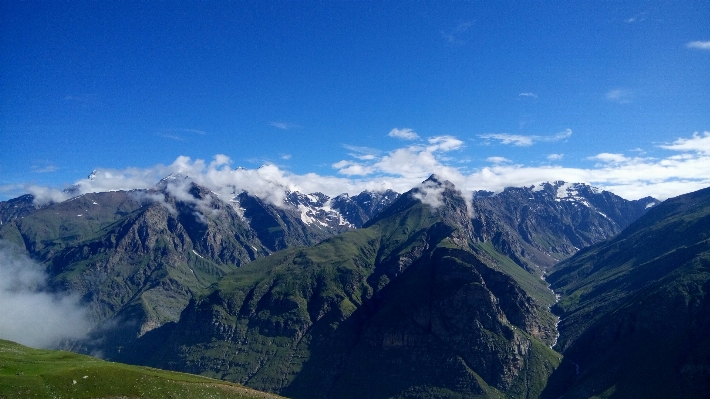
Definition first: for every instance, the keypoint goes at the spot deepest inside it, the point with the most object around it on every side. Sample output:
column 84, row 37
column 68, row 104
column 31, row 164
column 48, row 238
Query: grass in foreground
column 34, row 373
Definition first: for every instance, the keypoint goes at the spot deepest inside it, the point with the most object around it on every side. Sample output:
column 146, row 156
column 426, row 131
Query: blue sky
column 341, row 96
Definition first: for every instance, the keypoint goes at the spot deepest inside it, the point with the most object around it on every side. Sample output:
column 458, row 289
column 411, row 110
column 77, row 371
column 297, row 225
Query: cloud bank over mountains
column 31, row 314
column 684, row 169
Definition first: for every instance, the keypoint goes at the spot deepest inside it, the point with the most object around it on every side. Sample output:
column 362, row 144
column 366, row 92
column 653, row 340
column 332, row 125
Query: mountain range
column 138, row 256
column 432, row 293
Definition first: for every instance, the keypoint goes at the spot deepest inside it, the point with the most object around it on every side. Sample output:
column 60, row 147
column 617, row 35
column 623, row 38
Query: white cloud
column 350, row 168
column 430, row 193
column 444, row 143
column 173, row 134
column 506, row 138
column 561, row 135
column 362, row 153
column 284, row 125
column 342, row 164
column 410, row 163
column 629, row 177
column 555, row 157
column 696, row 143
column 525, row 141
column 146, row 196
column 194, row 131
column 528, row 94
column 453, row 36
column 497, row 160
column 170, row 136
column 700, row 45
column 640, row 17
column 47, row 168
column 683, row 169
column 608, row 158
column 406, row 134
column 621, row 96
column 44, row 195
column 32, row 315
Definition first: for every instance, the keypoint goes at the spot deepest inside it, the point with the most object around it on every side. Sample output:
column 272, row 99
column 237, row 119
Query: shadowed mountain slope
column 538, row 226
column 636, row 309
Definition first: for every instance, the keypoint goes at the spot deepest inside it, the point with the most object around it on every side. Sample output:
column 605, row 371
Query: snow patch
column 327, row 207
column 539, row 187
column 321, row 215
column 562, row 191
column 237, row 206
column 305, row 217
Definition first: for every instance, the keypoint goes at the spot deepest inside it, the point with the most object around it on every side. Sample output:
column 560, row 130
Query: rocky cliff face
column 138, row 257
column 394, row 309
column 16, row 208
column 539, row 226
column 359, row 209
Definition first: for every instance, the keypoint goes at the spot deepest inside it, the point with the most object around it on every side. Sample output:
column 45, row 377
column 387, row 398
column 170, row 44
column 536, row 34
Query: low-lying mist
column 31, row 314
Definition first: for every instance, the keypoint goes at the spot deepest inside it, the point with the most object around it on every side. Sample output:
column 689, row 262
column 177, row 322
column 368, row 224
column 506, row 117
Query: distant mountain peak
column 174, row 177
column 434, row 178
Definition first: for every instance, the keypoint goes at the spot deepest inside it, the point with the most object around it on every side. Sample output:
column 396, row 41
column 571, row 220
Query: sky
column 341, row 96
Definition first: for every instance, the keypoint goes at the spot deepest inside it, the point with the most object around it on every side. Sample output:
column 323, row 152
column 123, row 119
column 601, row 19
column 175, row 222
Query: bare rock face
column 541, row 225
column 147, row 265
column 359, row 209
column 138, row 257
column 16, row 208
column 393, row 309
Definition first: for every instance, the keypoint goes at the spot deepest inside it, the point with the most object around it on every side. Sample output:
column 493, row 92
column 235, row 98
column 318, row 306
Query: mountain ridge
column 308, row 322
column 636, row 308
column 175, row 263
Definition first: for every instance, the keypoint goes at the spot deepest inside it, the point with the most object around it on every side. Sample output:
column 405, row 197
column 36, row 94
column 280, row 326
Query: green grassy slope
column 35, row 373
